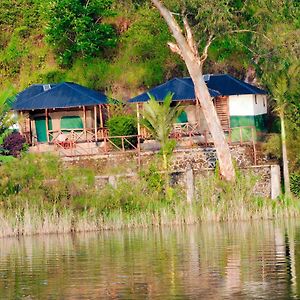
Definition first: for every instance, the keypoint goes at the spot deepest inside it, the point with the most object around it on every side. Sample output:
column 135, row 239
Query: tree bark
column 286, row 175
column 192, row 60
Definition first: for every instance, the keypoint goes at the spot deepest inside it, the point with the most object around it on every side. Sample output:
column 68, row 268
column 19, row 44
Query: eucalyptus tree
column 159, row 119
column 209, row 19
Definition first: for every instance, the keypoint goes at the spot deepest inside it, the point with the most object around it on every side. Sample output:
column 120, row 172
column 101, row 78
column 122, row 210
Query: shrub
column 295, row 184
column 14, row 144
column 120, row 126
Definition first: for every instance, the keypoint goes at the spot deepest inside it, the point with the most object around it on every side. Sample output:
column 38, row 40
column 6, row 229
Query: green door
column 40, row 126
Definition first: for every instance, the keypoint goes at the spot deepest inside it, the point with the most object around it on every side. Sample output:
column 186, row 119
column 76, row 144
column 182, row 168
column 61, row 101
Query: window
column 71, row 122
column 255, row 97
column 46, row 87
column 264, row 101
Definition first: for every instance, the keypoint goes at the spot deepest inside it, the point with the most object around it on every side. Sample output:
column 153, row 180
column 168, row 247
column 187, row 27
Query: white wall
column 260, row 106
column 241, row 105
column 245, row 105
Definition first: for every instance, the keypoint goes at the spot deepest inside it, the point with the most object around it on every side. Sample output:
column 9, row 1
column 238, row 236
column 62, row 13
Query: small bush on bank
column 14, row 144
column 295, row 184
column 121, row 126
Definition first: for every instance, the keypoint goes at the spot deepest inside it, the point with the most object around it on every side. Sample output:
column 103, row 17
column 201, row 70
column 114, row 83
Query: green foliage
column 76, row 28
column 154, row 179
column 295, row 184
column 6, row 117
column 123, row 126
column 159, row 120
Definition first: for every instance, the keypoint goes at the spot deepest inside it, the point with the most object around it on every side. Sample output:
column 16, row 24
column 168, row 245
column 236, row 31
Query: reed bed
column 39, row 195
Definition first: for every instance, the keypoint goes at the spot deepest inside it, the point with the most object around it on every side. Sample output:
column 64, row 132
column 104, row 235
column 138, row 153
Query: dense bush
column 14, row 143
column 76, row 28
column 295, row 184
column 120, row 126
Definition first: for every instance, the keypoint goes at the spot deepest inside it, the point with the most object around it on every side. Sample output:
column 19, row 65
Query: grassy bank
column 38, row 194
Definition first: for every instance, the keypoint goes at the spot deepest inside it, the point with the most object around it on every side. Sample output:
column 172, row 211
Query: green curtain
column 71, row 122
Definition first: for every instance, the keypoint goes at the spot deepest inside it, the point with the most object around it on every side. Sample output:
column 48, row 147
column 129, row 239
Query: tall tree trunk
column 188, row 50
column 286, row 175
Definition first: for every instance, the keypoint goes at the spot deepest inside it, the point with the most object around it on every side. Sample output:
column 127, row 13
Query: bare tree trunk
column 188, row 50
column 286, row 175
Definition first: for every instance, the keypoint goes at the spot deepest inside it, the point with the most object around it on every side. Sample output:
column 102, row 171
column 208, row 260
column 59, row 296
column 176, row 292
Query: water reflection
column 216, row 261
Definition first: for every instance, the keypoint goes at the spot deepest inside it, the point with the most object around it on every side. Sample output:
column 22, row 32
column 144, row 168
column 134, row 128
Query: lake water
column 215, row 261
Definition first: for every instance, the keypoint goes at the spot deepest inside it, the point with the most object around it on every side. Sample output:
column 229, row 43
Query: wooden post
column 30, row 131
column 138, row 118
column 101, row 120
column 47, row 125
column 198, row 110
column 84, row 122
column 108, row 113
column 101, row 115
column 241, row 136
column 189, row 184
column 254, row 146
column 20, row 122
column 95, row 123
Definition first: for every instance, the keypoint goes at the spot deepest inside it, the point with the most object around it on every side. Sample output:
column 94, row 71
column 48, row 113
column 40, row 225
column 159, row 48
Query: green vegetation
column 38, row 194
column 159, row 120
column 76, row 28
column 120, row 126
column 120, row 47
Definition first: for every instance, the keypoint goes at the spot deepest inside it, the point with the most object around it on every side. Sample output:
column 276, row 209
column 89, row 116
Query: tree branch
column 205, row 50
column 174, row 48
column 175, row 29
column 190, row 37
column 248, row 30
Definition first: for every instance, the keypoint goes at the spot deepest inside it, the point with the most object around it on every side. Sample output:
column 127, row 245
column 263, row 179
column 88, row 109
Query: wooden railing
column 76, row 142
column 121, row 143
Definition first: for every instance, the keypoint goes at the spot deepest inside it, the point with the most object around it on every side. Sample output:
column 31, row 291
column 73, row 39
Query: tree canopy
column 77, row 28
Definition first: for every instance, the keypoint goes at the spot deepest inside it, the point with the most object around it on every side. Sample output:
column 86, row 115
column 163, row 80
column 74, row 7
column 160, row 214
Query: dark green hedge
column 123, row 126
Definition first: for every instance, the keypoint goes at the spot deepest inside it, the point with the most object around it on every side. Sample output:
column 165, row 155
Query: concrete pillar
column 275, row 181
column 190, row 188
column 112, row 181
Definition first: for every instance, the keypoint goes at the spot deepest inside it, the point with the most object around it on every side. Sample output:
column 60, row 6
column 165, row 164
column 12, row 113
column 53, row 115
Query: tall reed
column 38, row 195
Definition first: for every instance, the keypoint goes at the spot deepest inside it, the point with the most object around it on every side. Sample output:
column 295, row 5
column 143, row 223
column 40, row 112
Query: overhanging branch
column 190, row 37
column 205, row 50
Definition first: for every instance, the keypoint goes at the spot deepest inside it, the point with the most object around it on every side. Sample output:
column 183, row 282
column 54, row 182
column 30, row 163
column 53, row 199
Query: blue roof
column 183, row 88
column 61, row 95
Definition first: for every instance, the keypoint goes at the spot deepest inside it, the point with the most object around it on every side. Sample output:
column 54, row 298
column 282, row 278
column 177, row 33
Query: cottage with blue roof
column 60, row 114
column 241, row 107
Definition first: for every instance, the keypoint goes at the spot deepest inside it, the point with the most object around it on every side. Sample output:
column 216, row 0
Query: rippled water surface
column 220, row 261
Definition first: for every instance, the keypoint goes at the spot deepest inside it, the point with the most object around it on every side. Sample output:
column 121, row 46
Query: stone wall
column 205, row 158
column 199, row 158
column 264, row 186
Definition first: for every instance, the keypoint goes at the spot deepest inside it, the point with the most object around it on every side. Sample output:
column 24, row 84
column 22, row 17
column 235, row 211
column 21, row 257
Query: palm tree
column 159, row 119
column 282, row 86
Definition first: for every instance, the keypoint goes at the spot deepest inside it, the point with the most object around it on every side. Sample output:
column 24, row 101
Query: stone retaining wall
column 266, row 185
column 202, row 161
column 199, row 158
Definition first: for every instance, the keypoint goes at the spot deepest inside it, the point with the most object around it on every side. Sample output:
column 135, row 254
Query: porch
column 64, row 127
